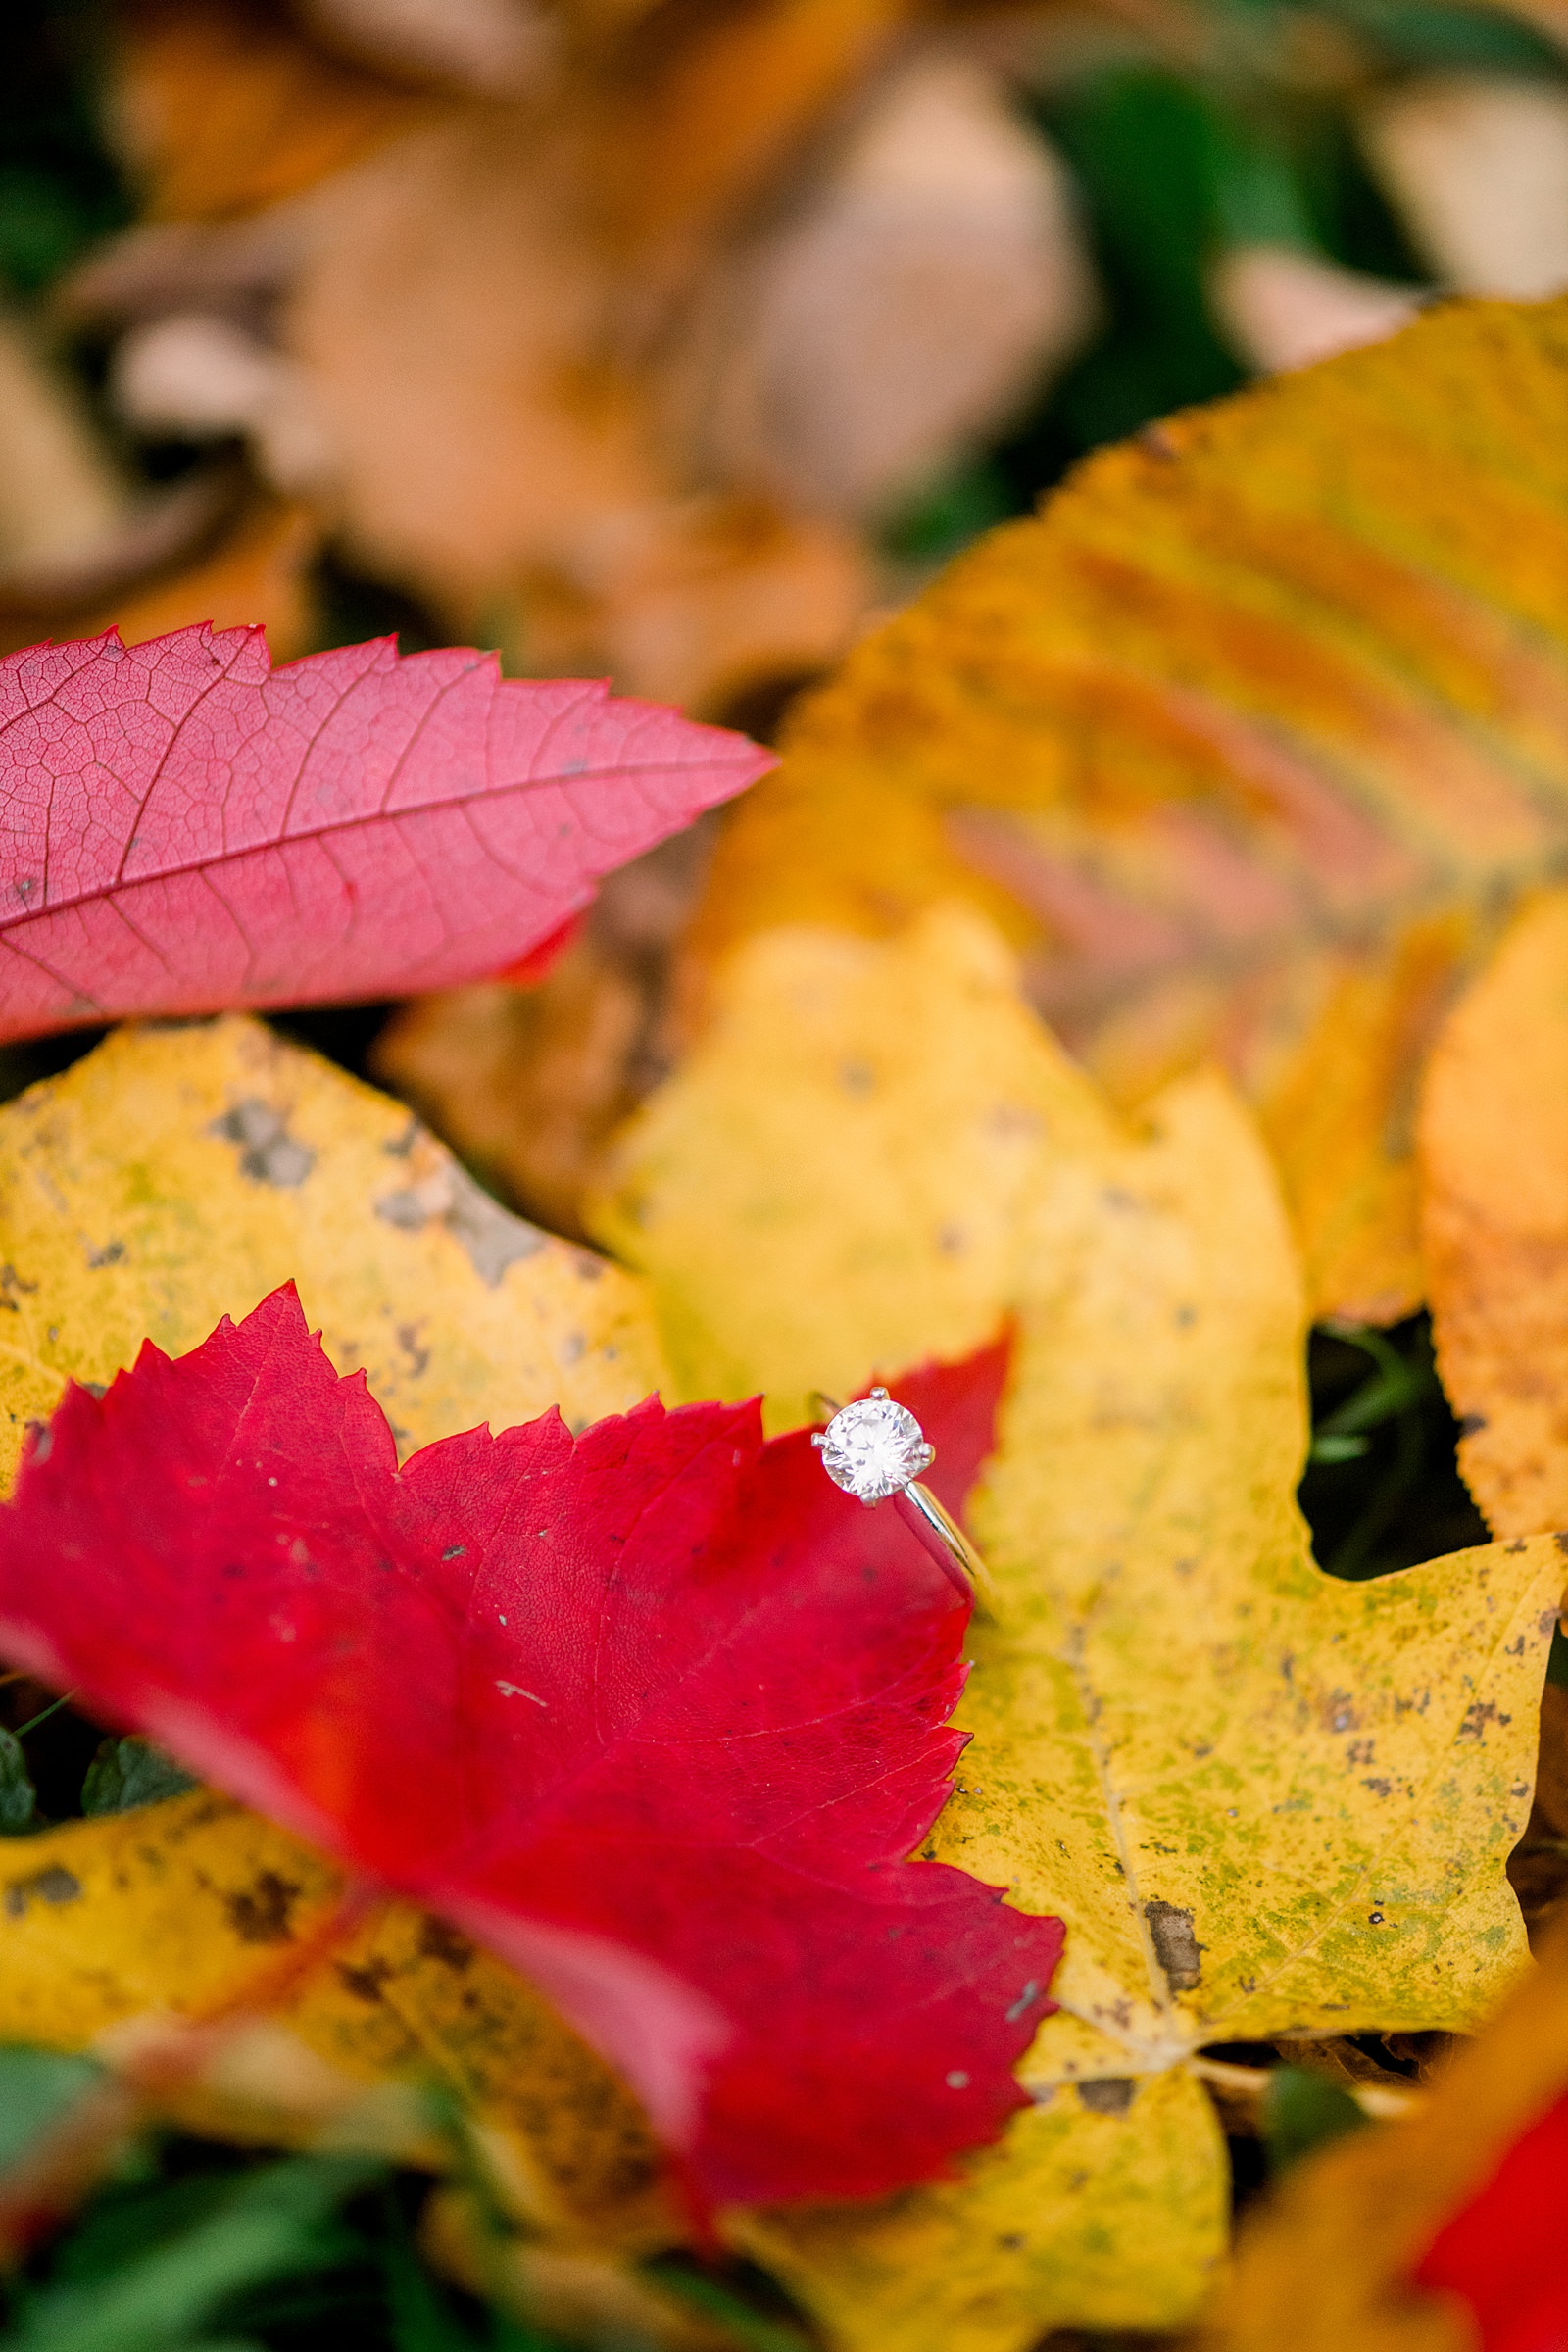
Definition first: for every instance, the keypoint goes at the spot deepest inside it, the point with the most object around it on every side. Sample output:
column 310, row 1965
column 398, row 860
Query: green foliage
column 37, row 2086
column 1430, row 34
column 59, row 189
column 130, row 1771
column 1382, row 1488
column 678, row 2276
column 18, row 1799
column 1302, row 2111
column 162, row 2268
column 156, row 2281
column 425, row 2316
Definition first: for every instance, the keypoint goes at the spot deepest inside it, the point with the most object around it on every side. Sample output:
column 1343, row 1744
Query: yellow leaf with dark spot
column 173, row 1176
column 1247, row 740
column 195, row 1908
column 1266, row 1802
column 178, row 1174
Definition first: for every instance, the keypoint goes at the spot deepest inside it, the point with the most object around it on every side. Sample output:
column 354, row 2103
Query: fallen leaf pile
column 613, row 337
column 670, row 341
column 1248, row 742
column 597, row 1808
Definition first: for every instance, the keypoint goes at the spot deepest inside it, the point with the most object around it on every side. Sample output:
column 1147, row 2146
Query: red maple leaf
column 1501, row 2254
column 186, row 828
column 656, row 1712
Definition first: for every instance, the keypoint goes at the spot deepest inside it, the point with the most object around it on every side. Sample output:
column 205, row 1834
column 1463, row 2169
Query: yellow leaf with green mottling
column 1265, row 1802
column 178, row 1174
column 1024, row 2230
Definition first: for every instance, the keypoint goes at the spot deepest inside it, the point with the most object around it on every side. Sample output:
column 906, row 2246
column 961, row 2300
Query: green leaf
column 130, row 1771
column 36, row 2086
column 267, row 2225
column 1429, row 33
column 422, row 2314
column 715, row 2301
column 18, row 1799
column 1301, row 2111
column 1331, row 1448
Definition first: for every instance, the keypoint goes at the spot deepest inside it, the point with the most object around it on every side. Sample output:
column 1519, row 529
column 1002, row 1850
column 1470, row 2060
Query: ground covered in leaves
column 491, row 1860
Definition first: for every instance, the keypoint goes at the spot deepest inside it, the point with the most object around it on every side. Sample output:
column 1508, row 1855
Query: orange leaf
column 1493, row 1146
column 228, row 110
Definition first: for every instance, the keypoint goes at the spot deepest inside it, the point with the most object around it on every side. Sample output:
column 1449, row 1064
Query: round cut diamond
column 874, row 1449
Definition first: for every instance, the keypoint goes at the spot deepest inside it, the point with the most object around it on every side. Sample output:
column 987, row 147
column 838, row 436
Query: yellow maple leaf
column 1266, row 1802
column 1493, row 1153
column 178, row 1174
column 1247, row 739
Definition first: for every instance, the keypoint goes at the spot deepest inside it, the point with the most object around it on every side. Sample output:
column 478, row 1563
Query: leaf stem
column 53, row 1709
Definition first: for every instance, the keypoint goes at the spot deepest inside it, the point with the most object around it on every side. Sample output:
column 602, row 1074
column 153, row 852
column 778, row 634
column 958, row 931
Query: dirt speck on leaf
column 439, row 1941
column 489, row 1234
column 365, row 1983
column 268, row 1153
column 1176, row 1944
column 51, row 1885
column 1112, row 2096
column 261, row 1913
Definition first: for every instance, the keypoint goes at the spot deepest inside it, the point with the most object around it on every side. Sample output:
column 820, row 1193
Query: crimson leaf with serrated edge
column 187, row 829
column 656, row 1712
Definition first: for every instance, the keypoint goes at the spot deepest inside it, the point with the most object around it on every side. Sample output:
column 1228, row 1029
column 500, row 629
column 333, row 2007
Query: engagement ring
column 875, row 1449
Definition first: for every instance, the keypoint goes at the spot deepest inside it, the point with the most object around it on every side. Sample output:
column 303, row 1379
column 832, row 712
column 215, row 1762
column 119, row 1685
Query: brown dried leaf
column 1281, row 308
column 491, row 48
column 224, row 109
column 259, row 572
column 462, row 326
column 927, row 282
column 1477, row 168
column 548, row 362
column 529, row 1083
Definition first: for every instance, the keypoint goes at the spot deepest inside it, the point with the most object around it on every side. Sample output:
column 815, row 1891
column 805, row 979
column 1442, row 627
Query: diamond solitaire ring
column 876, row 1449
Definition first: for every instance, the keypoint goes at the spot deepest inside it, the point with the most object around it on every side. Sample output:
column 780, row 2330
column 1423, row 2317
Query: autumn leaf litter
column 716, row 1939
